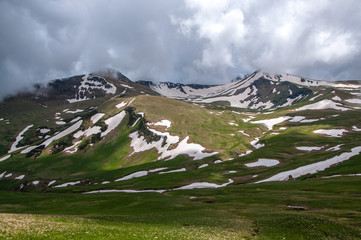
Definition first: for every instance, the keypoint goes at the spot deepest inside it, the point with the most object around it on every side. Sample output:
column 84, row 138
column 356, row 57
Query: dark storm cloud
column 184, row 41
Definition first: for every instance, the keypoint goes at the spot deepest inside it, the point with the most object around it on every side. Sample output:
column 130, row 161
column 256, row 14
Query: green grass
column 331, row 211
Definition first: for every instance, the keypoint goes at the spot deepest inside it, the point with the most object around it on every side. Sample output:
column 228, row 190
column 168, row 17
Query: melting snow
column 64, row 133
column 309, row 148
column 356, row 129
column 133, row 175
column 124, row 191
column 203, row 166
column 296, row 119
column 87, row 84
column 233, row 124
column 313, row 168
column 35, row 182
column 20, row 177
column 113, row 122
column 4, row 158
column 319, row 95
column 51, row 182
column 263, row 162
column 95, row 118
column 60, row 122
column 336, row 98
column 157, row 169
column 324, row 104
column 75, row 119
column 335, row 148
column 165, row 123
column 173, row 171
column 139, row 144
column 248, row 152
column 44, row 130
column 67, row 184
column 126, row 86
column 331, row 132
column 19, row 137
column 72, row 112
column 354, row 100
column 217, row 161
column 257, row 145
column 204, row 185
column 269, row 123
column 120, row 105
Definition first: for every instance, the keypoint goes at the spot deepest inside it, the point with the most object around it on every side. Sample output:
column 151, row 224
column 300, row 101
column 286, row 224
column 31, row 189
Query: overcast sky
column 189, row 41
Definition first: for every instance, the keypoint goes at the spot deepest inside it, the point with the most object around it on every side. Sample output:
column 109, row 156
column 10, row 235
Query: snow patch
column 133, row 175
column 96, row 117
column 4, row 158
column 113, row 122
column 331, row 132
column 197, row 185
column 73, row 112
column 165, row 123
column 354, row 100
column 174, row 171
column 269, row 123
column 336, row 98
column 67, row 184
column 263, row 162
column 309, row 149
column 203, row 166
column 356, row 129
column 335, row 148
column 120, row 105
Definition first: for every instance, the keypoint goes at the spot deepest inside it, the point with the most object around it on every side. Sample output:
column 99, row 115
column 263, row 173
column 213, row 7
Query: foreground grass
column 303, row 209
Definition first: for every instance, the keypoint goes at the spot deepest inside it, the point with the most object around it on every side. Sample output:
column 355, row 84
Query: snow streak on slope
column 18, row 139
column 313, row 168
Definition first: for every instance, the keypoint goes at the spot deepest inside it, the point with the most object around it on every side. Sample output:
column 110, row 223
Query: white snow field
column 19, row 137
column 324, row 104
column 314, row 167
column 263, row 162
column 331, row 132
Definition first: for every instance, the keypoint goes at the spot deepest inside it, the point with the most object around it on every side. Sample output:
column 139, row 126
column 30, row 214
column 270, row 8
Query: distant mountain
column 257, row 91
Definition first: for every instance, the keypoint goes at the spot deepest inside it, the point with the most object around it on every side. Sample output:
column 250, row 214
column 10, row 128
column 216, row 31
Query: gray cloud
column 183, row 41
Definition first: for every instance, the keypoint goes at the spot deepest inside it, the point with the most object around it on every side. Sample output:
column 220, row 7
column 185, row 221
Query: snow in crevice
column 87, row 84
column 19, row 137
column 255, row 143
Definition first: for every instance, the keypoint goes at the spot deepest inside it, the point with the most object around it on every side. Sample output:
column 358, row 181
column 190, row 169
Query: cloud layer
column 191, row 41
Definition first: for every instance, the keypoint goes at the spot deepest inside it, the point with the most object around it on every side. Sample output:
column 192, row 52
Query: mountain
column 264, row 154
